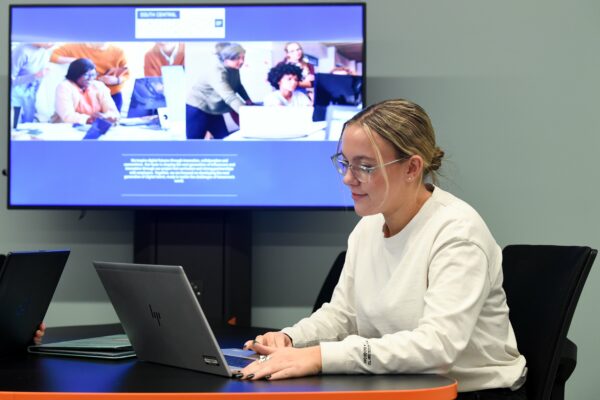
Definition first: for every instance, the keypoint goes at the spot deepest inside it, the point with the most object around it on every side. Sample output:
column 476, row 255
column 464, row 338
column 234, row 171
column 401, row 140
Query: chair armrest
column 568, row 361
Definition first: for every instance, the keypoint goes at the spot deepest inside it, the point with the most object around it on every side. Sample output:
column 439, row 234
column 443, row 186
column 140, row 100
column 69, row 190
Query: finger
column 262, row 349
column 284, row 373
column 249, row 371
column 266, row 369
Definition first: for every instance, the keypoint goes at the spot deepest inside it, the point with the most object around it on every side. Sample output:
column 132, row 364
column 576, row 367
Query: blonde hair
column 407, row 127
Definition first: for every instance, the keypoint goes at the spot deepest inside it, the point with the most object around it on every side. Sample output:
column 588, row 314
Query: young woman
column 284, row 78
column 421, row 289
column 294, row 55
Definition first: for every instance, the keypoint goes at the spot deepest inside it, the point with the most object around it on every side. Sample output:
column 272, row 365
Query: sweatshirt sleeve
column 458, row 284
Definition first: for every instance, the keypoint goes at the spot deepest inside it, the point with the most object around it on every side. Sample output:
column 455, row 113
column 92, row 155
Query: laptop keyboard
column 237, row 362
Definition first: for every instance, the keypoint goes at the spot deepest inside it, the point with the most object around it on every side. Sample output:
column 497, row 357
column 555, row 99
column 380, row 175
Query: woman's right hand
column 270, row 339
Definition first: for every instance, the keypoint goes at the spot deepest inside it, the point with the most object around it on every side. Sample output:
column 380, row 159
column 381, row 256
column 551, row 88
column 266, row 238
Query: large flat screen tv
column 149, row 105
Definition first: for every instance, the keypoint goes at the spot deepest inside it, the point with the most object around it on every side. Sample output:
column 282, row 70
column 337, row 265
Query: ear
column 414, row 168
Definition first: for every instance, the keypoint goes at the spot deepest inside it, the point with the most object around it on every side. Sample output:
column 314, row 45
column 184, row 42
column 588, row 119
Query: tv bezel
column 7, row 170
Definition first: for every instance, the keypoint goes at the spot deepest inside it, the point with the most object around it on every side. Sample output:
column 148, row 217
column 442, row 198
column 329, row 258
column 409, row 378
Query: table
column 29, row 377
column 120, row 132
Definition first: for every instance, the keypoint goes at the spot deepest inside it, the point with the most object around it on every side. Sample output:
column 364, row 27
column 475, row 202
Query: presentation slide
column 182, row 106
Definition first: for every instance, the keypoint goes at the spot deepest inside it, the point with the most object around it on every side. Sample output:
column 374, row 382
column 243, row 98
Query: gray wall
column 511, row 87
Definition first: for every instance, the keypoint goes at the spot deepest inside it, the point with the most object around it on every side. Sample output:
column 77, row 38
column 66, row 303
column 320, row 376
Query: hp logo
column 155, row 314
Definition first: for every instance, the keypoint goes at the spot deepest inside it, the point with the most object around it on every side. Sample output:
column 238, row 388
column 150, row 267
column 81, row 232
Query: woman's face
column 84, row 80
column 236, row 63
column 373, row 196
column 294, row 52
column 288, row 83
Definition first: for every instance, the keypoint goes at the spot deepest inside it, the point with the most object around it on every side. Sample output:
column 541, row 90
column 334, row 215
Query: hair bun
column 436, row 160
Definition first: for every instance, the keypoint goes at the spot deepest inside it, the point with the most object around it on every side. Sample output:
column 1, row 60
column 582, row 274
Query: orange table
column 32, row 377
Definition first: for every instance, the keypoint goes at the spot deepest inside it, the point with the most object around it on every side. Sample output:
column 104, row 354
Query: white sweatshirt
column 426, row 300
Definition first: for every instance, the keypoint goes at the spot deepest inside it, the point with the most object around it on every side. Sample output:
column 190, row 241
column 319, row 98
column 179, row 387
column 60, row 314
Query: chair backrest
column 330, row 281
column 542, row 285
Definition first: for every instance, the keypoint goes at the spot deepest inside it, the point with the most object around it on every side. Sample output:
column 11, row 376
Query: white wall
column 512, row 89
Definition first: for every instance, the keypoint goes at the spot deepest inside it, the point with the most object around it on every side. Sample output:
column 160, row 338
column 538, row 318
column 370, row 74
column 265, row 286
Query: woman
column 217, row 92
column 284, row 78
column 110, row 62
column 294, row 55
column 421, row 289
column 80, row 98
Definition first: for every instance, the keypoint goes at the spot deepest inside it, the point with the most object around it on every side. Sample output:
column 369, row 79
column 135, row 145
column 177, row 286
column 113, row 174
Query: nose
column 349, row 178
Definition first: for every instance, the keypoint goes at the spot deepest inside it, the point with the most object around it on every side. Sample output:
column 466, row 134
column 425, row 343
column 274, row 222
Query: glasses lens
column 360, row 175
column 341, row 165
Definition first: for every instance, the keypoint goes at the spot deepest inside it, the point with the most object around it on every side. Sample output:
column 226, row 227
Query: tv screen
column 181, row 105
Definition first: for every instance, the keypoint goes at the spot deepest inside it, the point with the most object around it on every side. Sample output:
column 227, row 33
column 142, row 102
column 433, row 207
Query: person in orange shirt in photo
column 163, row 54
column 110, row 62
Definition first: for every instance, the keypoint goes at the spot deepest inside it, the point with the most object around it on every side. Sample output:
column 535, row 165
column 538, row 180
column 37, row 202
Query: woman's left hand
column 283, row 363
column 37, row 338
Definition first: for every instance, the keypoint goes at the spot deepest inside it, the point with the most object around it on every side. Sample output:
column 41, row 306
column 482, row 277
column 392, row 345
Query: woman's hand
column 283, row 362
column 269, row 339
column 37, row 338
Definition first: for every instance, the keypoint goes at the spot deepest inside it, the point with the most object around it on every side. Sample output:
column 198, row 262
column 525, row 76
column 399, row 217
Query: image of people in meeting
column 163, row 54
column 29, row 64
column 81, row 98
column 217, row 91
column 199, row 100
column 110, row 61
column 285, row 79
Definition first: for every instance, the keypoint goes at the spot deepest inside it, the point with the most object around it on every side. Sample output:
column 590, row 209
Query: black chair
column 330, row 281
column 542, row 285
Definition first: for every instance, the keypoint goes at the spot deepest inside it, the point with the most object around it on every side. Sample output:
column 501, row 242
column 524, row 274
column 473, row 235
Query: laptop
column 163, row 319
column 147, row 96
column 273, row 123
column 28, row 280
column 99, row 127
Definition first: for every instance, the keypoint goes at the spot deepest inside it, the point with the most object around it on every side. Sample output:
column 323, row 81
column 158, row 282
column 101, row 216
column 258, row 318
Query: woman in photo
column 218, row 91
column 285, row 78
column 80, row 98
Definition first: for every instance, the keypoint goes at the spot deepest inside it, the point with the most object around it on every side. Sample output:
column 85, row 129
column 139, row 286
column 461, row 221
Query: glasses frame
column 359, row 170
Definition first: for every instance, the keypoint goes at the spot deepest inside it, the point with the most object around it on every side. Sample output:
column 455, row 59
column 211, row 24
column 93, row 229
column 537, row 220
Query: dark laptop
column 163, row 319
column 99, row 127
column 27, row 283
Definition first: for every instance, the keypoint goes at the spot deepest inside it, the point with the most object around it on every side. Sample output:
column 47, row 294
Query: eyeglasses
column 362, row 173
column 91, row 74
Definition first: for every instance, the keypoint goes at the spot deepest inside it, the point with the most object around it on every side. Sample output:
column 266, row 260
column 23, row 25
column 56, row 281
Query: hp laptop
column 163, row 319
column 27, row 284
